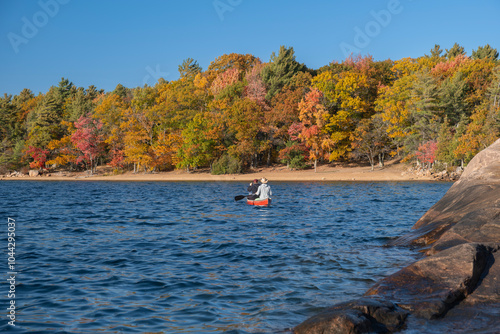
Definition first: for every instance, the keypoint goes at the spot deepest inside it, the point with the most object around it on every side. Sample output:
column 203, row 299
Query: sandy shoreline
column 391, row 172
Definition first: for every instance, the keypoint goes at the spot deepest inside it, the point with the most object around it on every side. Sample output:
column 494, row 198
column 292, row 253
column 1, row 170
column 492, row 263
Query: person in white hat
column 264, row 190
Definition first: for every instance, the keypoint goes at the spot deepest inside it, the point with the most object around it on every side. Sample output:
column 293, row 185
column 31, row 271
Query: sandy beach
column 392, row 171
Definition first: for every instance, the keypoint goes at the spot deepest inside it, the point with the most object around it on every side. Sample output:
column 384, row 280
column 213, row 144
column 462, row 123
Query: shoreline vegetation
column 392, row 171
column 241, row 113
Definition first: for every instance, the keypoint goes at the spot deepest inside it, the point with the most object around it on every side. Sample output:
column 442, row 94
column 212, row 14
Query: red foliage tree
column 88, row 139
column 38, row 155
column 256, row 89
column 449, row 67
column 225, row 79
column 427, row 152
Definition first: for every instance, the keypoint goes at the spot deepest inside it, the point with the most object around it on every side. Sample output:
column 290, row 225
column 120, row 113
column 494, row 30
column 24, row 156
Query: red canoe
column 261, row 202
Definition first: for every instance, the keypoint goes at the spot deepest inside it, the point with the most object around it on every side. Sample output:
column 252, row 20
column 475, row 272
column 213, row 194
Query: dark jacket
column 253, row 188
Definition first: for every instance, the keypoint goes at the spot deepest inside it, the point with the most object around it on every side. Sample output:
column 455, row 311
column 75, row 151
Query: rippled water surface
column 184, row 257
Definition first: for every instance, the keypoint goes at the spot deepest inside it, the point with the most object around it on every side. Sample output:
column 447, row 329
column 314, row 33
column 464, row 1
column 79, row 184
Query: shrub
column 226, row 165
column 118, row 171
column 24, row 170
column 294, row 155
column 297, row 162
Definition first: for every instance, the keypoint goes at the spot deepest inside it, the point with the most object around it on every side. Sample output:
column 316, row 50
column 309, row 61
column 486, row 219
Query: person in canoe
column 264, row 190
column 252, row 189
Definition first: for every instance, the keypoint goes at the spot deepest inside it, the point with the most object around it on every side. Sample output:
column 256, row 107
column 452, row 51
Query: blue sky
column 104, row 43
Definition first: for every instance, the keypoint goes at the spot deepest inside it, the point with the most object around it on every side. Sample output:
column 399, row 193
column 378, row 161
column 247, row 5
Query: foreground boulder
column 359, row 316
column 431, row 287
column 457, row 287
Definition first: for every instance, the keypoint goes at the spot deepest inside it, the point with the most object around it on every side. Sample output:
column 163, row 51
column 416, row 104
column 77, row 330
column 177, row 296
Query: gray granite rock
column 455, row 288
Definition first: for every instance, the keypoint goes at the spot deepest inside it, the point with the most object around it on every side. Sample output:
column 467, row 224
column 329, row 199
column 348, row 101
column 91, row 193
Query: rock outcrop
column 456, row 288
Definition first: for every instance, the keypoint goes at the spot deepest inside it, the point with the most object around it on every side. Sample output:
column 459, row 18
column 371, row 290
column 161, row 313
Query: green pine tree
column 189, row 68
column 453, row 97
column 436, row 51
column 281, row 69
column 44, row 120
column 484, row 52
column 455, row 51
column 445, row 143
column 121, row 91
column 424, row 112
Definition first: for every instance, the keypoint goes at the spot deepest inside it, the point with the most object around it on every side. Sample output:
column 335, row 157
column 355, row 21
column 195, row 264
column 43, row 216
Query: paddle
column 237, row 198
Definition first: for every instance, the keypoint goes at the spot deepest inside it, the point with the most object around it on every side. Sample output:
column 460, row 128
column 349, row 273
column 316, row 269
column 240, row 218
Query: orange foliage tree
column 313, row 118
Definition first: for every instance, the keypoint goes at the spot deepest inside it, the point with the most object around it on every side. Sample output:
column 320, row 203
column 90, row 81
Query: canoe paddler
column 264, row 190
column 252, row 189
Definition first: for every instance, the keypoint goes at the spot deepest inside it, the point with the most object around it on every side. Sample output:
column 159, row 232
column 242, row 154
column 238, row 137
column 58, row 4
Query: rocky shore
column 455, row 287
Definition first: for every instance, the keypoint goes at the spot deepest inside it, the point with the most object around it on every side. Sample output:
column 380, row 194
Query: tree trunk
column 381, row 159
column 315, row 165
column 372, row 160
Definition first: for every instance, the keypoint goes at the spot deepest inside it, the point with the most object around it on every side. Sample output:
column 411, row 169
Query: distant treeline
column 239, row 113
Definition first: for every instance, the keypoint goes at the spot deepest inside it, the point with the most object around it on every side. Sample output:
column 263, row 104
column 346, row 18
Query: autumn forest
column 437, row 110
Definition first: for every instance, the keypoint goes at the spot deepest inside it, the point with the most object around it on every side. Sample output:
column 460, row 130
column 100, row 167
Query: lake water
column 184, row 257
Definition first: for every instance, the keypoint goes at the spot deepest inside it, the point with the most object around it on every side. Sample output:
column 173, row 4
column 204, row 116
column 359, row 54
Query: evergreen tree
column 423, row 112
column 22, row 103
column 455, row 51
column 494, row 89
column 92, row 92
column 281, row 69
column 483, row 52
column 23, row 97
column 7, row 124
column 189, row 68
column 121, row 91
column 7, row 117
column 43, row 121
column 78, row 105
column 453, row 97
column 63, row 91
column 461, row 128
column 445, row 143
column 436, row 51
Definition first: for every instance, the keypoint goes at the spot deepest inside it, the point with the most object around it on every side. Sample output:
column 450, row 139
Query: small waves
column 185, row 258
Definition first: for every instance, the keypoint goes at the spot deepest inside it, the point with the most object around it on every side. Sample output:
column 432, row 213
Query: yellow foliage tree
column 393, row 105
column 165, row 149
column 481, row 132
column 111, row 111
column 63, row 149
column 347, row 92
